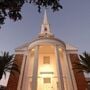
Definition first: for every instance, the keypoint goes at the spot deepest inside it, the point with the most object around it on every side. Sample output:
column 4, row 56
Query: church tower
column 46, row 63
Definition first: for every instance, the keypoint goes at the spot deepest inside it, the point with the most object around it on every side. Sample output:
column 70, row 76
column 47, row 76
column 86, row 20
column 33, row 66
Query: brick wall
column 79, row 76
column 13, row 79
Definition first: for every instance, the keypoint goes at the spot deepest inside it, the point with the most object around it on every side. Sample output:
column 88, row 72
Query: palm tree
column 84, row 64
column 7, row 64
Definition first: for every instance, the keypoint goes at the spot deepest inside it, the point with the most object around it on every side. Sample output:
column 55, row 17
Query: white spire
column 45, row 20
column 45, row 28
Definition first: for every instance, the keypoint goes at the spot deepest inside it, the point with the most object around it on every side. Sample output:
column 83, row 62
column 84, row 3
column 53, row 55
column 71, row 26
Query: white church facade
column 46, row 63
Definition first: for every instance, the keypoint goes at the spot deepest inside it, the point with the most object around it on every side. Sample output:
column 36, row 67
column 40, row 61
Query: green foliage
column 84, row 64
column 7, row 64
column 12, row 8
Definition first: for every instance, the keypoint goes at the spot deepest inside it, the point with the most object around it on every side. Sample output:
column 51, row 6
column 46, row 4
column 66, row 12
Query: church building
column 46, row 63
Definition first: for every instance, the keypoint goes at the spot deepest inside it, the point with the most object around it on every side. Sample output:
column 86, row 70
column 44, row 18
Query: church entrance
column 47, row 84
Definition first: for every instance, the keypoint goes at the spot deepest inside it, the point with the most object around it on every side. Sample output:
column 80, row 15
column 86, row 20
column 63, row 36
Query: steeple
column 45, row 20
column 45, row 27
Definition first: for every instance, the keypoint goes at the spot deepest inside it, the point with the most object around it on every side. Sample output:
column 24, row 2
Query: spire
column 45, row 20
column 45, row 28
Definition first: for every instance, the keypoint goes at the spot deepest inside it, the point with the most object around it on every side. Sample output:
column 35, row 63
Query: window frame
column 46, row 60
column 47, row 80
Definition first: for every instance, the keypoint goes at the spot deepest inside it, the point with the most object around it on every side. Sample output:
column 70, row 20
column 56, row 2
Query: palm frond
column 7, row 64
column 16, row 69
column 84, row 64
column 4, row 73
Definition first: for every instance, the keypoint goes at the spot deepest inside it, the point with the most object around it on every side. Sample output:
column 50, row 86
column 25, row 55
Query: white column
column 59, row 69
column 73, row 82
column 20, row 83
column 35, row 69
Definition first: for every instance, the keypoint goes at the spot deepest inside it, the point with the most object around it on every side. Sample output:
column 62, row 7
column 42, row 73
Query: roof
column 25, row 46
column 70, row 47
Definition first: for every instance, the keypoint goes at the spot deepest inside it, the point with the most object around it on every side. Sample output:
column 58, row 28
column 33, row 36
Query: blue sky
column 71, row 24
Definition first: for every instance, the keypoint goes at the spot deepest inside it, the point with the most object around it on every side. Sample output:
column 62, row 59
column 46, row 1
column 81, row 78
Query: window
column 47, row 80
column 45, row 29
column 46, row 60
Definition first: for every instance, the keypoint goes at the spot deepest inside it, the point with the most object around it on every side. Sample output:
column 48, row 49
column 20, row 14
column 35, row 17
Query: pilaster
column 35, row 69
column 59, row 69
